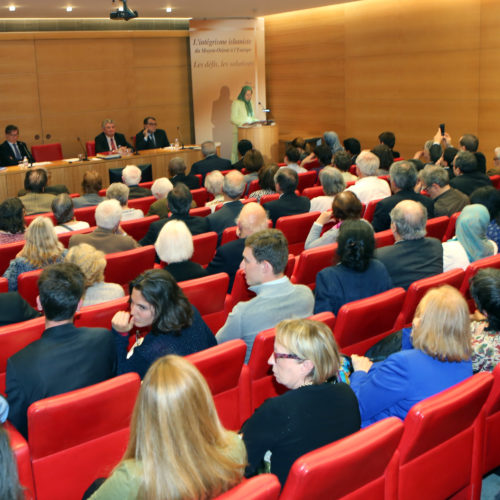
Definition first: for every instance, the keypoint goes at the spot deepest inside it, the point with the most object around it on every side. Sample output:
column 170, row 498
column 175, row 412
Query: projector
column 123, row 12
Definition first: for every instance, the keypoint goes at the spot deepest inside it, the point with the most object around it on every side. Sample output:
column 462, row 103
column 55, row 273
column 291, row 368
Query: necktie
column 152, row 139
column 18, row 153
column 113, row 143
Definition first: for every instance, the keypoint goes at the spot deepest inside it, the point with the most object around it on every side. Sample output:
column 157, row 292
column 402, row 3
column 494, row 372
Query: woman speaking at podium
column 241, row 113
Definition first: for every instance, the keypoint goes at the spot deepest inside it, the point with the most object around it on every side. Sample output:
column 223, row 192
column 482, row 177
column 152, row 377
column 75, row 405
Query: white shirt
column 321, row 203
column 370, row 188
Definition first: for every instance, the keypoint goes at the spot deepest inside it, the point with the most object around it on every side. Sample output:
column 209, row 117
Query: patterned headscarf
column 241, row 97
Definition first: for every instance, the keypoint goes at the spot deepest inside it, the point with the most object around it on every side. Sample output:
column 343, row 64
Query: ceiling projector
column 123, row 12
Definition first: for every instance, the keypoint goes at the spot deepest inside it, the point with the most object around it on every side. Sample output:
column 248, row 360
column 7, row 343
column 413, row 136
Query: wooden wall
column 402, row 65
column 63, row 84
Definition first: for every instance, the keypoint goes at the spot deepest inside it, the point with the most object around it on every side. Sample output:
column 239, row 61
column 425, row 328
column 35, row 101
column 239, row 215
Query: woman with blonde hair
column 440, row 358
column 41, row 249
column 316, row 411
column 92, row 263
column 178, row 448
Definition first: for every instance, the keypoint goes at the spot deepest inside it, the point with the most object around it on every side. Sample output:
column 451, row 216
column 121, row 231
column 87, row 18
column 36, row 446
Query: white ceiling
column 197, row 9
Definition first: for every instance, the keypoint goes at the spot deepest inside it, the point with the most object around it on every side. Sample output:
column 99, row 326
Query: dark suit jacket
column 227, row 259
column 161, row 140
column 187, row 270
column 238, row 165
column 14, row 309
column 65, row 358
column 381, row 218
column 411, row 260
column 210, row 163
column 7, row 157
column 138, row 192
column 468, row 182
column 101, row 143
column 190, row 180
column 287, row 204
column 225, row 217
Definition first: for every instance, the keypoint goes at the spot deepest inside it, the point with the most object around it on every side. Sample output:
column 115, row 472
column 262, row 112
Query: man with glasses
column 151, row 137
column 13, row 151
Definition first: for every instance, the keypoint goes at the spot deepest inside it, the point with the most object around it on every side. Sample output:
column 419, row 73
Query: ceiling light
column 12, row 8
column 69, row 9
column 168, row 9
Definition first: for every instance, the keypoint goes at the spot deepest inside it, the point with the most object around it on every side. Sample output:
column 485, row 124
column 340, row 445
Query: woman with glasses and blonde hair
column 178, row 448
column 317, row 409
column 440, row 358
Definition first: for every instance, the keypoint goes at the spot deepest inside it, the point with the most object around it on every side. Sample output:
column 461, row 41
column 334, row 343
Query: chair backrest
column 142, row 203
column 450, row 230
column 362, row 464
column 370, row 209
column 473, row 268
column 15, row 337
column 269, row 197
column 384, row 238
column 123, row 267
column 8, row 251
column 441, row 447
column 205, row 245
column 90, row 147
column 492, row 430
column 137, row 228
column 495, row 180
column 254, row 186
column 261, row 487
column 230, row 390
column 86, row 214
column 310, row 262
column 436, row 228
column 419, row 288
column 47, row 152
column 65, row 237
column 200, row 196
column 27, row 286
column 229, row 234
column 79, row 436
column 307, row 180
column 4, row 285
column 200, row 211
column 296, row 228
column 312, row 192
column 364, row 322
column 100, row 315
column 28, row 219
column 147, row 184
column 208, row 295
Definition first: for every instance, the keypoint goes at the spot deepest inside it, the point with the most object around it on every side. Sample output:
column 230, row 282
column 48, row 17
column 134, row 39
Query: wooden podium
column 264, row 138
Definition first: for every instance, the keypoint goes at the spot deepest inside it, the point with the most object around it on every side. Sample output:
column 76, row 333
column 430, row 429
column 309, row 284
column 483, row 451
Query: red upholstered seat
column 28, row 219
column 65, row 237
column 15, row 337
column 442, row 444
column 492, row 430
column 450, row 230
column 307, row 180
column 77, row 437
column 495, row 180
column 360, row 466
column 208, row 294
column 100, row 315
column 47, row 152
column 362, row 323
column 419, row 288
column 254, row 186
column 137, row 228
column 261, row 487
column 311, row 262
column 4, row 285
column 268, row 197
column 473, row 268
column 370, row 209
column 200, row 211
column 221, row 366
column 205, row 245
column 27, row 286
column 90, row 147
column 86, row 214
column 436, row 228
column 123, row 267
column 8, row 251
column 312, row 192
column 147, row 184
column 296, row 228
column 229, row 234
column 384, row 238
column 142, row 203
column 200, row 196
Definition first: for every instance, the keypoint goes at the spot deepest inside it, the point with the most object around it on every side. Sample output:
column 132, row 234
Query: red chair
column 147, row 184
column 27, row 286
column 384, row 238
column 229, row 387
column 419, row 288
column 261, row 487
column 100, row 315
column 28, row 219
column 495, row 180
column 364, row 322
column 308, row 166
column 269, row 197
column 4, row 285
column 205, row 245
column 229, row 234
column 352, row 169
column 296, row 228
column 254, row 186
column 361, row 466
column 492, row 430
column 79, row 436
column 86, row 214
column 15, row 337
column 436, row 227
column 8, row 251
column 307, row 180
column 200, row 196
column 123, row 267
column 312, row 192
column 310, row 262
column 142, row 203
column 137, row 228
column 442, row 444
column 244, row 201
column 47, row 152
column 208, row 295
column 200, row 211
column 65, row 237
column 200, row 179
column 370, row 209
column 450, row 230
column 90, row 147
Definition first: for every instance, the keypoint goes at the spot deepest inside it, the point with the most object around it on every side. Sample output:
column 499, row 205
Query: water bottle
column 25, row 162
column 176, row 144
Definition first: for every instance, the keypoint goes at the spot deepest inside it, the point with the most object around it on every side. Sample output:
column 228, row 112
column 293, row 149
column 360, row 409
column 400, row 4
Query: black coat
column 101, row 143
column 161, row 140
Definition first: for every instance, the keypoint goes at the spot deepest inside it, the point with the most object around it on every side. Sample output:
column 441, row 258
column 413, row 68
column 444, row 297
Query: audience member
column 469, row 142
column 389, row 139
column 210, row 160
column 301, row 144
column 266, row 182
column 467, row 176
column 496, row 163
column 12, row 150
column 333, row 183
column 343, row 161
column 62, row 208
column 286, row 182
column 244, row 145
column 317, row 409
column 214, row 181
column 177, row 171
column 264, row 261
column 14, row 309
column 41, row 249
column 292, row 158
column 151, row 137
column 160, row 189
column 36, row 200
column 322, row 154
column 413, row 256
column 174, row 246
column 331, row 139
column 109, row 139
column 176, row 327
column 131, row 177
column 385, row 156
column 253, row 161
column 92, row 264
column 175, row 411
column 108, row 237
column 91, row 185
column 120, row 192
column 12, row 225
column 440, row 358
column 470, row 242
column 10, row 489
column 65, row 358
column 490, row 198
column 357, row 275
column 353, row 147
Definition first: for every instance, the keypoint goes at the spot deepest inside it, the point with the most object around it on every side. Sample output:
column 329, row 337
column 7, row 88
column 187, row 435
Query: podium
column 263, row 138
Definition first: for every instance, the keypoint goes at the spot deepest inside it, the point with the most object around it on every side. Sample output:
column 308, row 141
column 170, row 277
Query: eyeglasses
column 282, row 355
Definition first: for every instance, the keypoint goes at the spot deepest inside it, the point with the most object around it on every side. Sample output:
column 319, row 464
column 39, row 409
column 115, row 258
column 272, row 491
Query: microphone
column 85, row 157
column 180, row 136
column 265, row 110
column 23, row 149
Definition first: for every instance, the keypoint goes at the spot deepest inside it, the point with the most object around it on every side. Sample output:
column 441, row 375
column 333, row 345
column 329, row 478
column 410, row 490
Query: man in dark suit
column 286, row 181
column 403, row 181
column 227, row 259
column 179, row 201
column 233, row 188
column 151, row 137
column 210, row 162
column 12, row 151
column 65, row 358
column 131, row 176
column 14, row 309
column 177, row 171
column 413, row 256
column 467, row 175
column 109, row 139
column 243, row 146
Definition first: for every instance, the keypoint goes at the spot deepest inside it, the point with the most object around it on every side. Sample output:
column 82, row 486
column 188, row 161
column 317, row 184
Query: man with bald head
column 252, row 219
column 413, row 256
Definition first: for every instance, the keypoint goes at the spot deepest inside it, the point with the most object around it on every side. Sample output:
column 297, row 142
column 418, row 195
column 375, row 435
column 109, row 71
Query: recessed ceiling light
column 12, row 8
column 69, row 9
column 168, row 9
